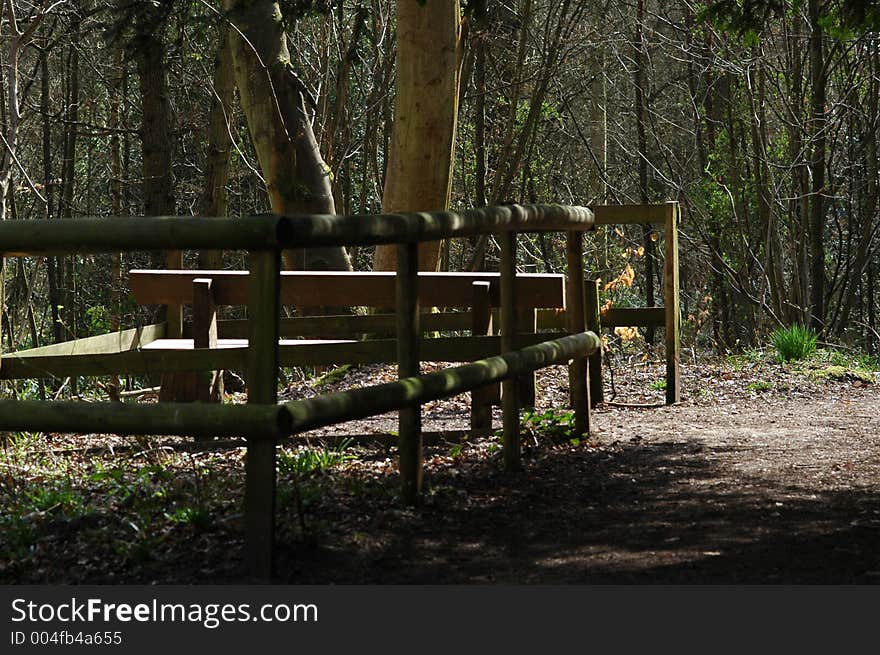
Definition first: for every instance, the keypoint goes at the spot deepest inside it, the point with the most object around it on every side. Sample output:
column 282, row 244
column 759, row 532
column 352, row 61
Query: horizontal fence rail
column 180, row 419
column 343, row 406
column 410, row 227
column 270, row 231
column 119, row 234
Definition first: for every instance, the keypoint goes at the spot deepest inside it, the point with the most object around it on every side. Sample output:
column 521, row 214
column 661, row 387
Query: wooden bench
column 336, row 338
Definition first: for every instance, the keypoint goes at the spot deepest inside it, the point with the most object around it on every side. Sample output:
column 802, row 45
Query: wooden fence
column 262, row 421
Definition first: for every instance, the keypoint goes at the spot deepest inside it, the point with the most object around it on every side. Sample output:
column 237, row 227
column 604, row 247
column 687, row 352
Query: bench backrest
column 344, row 288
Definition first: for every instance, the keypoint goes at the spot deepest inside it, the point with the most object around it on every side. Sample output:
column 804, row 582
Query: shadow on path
column 629, row 513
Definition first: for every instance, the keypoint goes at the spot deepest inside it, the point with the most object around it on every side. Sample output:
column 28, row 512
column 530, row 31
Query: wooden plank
column 552, row 319
column 671, row 302
column 345, row 289
column 629, row 214
column 408, row 364
column 164, row 355
column 347, row 325
column 594, row 324
column 262, row 387
column 113, row 342
column 579, row 391
column 135, row 361
column 634, row 317
column 509, row 387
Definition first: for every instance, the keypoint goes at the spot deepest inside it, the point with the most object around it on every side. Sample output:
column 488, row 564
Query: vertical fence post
column 579, row 392
column 481, row 325
column 594, row 324
column 671, row 301
column 262, row 386
column 410, row 418
column 509, row 387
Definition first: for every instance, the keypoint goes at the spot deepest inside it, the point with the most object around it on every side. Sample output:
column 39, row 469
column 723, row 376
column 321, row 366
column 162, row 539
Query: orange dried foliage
column 625, row 279
column 626, row 333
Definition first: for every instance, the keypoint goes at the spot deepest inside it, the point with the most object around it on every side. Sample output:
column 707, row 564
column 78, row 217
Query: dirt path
column 762, row 475
column 779, row 486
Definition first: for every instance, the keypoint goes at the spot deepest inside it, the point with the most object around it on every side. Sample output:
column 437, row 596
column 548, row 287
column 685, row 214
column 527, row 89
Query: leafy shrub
column 555, row 425
column 794, row 342
column 309, row 462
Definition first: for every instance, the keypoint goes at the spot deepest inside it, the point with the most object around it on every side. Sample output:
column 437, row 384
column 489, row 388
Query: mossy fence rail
column 263, row 421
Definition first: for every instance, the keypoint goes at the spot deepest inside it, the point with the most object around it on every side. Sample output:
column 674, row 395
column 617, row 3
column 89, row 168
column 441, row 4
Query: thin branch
column 22, row 169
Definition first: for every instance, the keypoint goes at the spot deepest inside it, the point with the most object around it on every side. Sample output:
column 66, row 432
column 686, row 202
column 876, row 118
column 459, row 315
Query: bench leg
column 201, row 386
column 482, row 398
column 527, row 322
column 209, row 384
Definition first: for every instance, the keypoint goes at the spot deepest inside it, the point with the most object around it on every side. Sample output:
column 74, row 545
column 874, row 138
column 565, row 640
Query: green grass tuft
column 794, row 343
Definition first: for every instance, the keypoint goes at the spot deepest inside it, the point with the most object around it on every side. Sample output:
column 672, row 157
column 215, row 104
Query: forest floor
column 765, row 473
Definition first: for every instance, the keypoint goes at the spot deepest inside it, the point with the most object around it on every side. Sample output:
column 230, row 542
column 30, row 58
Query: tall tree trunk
column 273, row 100
column 703, row 89
column 763, row 181
column 817, row 130
column 214, row 200
column 506, row 153
column 419, row 174
column 799, row 205
column 157, row 149
column 480, row 46
column 337, row 130
column 156, row 134
column 870, row 201
column 642, row 141
column 873, row 339
column 116, row 281
column 53, row 264
column 68, row 181
column 116, row 98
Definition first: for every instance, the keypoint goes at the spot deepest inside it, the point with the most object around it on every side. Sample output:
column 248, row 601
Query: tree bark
column 273, row 100
column 53, row 264
column 157, row 141
column 642, row 141
column 871, row 198
column 818, row 126
column 219, row 150
column 419, row 174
